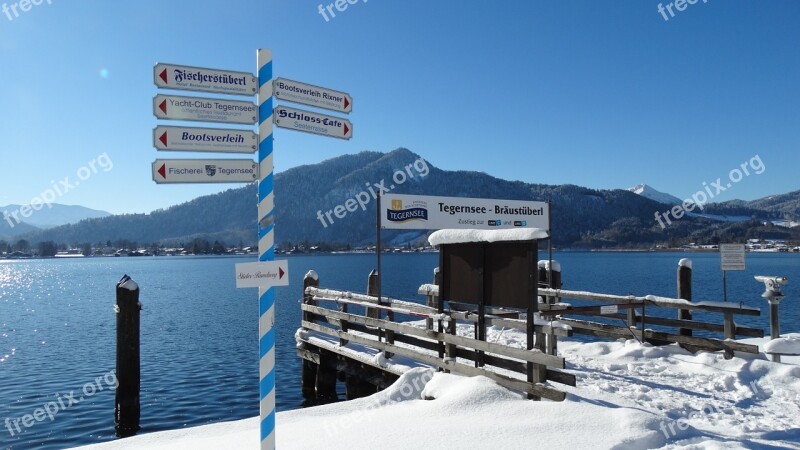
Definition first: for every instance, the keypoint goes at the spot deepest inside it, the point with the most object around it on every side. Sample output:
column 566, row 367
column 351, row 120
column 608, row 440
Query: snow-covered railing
column 653, row 300
column 516, row 368
column 616, row 304
column 729, row 328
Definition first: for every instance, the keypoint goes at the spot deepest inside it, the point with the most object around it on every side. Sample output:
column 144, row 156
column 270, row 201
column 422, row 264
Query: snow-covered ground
column 628, row 396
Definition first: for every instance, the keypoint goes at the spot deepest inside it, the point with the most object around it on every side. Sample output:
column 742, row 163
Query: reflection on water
column 200, row 338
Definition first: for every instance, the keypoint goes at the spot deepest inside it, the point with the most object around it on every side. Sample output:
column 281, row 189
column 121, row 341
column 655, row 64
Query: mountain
column 52, row 216
column 658, row 196
column 12, row 229
column 305, row 195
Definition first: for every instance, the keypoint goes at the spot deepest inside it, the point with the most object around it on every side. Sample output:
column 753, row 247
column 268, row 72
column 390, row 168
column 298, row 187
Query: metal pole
column 378, row 253
column 774, row 325
column 549, row 246
column 266, row 251
column 774, row 321
column 725, row 285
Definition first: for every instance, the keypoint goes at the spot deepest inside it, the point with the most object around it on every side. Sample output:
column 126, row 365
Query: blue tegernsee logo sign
column 403, row 213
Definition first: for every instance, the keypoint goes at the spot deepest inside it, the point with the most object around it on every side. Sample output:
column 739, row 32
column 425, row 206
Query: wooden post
column 126, row 402
column 355, row 387
column 375, row 313
column 544, row 278
column 308, row 377
column 440, row 310
column 372, row 289
column 549, row 273
column 555, row 283
column 480, row 325
column 432, row 300
column 685, row 292
column 729, row 328
column 535, row 373
column 542, row 268
column 326, row 378
column 343, row 324
column 632, row 318
column 450, row 349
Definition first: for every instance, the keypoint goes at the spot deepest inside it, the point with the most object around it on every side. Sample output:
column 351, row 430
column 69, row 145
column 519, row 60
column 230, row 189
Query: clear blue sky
column 599, row 94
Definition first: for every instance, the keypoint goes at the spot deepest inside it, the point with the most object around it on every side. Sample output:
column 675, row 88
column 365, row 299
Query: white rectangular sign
column 732, row 257
column 262, row 274
column 166, row 171
column 419, row 212
column 609, row 309
column 308, row 94
column 171, row 76
column 309, row 122
column 174, row 107
column 204, row 140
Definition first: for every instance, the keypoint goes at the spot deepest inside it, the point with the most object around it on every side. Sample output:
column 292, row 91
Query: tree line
column 197, row 246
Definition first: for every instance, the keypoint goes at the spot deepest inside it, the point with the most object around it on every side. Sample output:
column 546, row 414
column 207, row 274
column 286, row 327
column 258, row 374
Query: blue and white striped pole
column 266, row 251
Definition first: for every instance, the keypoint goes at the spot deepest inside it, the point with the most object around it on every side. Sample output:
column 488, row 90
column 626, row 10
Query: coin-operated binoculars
column 774, row 296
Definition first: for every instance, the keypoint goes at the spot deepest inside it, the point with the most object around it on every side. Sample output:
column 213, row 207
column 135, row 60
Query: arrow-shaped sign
column 310, row 122
column 171, row 76
column 262, row 274
column 201, row 109
column 169, row 171
column 308, row 94
column 194, row 139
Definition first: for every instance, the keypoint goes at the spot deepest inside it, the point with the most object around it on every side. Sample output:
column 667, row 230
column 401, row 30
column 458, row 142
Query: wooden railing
column 625, row 308
column 327, row 312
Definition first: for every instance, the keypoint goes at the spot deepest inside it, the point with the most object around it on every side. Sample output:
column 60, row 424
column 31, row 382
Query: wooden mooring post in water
column 685, row 292
column 126, row 402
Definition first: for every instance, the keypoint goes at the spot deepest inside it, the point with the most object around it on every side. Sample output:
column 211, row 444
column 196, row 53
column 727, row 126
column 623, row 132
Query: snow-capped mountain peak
column 658, row 196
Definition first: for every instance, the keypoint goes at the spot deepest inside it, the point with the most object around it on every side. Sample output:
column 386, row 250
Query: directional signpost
column 266, row 273
column 204, row 139
column 309, row 122
column 171, row 76
column 262, row 274
column 170, row 171
column 174, row 107
column 308, row 94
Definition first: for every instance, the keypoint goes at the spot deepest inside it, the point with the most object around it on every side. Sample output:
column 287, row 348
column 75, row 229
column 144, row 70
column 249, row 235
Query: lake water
column 199, row 344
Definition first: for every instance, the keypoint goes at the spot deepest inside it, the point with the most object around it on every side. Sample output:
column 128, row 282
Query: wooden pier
column 352, row 337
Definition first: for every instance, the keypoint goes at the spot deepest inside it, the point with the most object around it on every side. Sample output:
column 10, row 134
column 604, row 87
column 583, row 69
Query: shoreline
column 344, row 252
